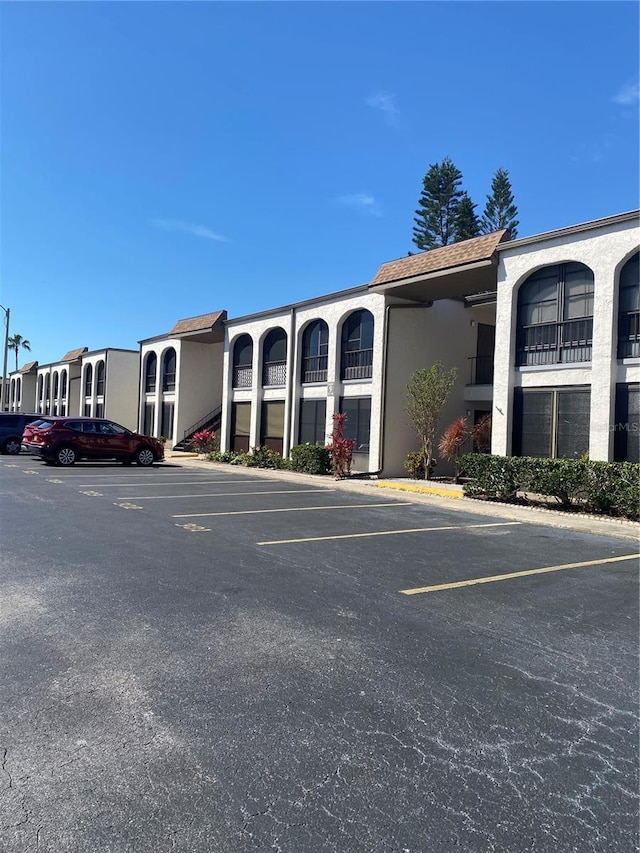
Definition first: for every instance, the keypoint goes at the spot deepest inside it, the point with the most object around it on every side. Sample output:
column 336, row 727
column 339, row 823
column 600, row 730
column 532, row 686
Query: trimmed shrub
column 414, row 464
column 226, row 456
column 310, row 459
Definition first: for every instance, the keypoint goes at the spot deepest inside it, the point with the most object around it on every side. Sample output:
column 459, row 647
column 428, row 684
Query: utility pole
column 3, row 390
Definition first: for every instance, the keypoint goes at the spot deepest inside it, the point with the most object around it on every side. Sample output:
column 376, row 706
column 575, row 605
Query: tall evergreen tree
column 467, row 222
column 500, row 211
column 435, row 220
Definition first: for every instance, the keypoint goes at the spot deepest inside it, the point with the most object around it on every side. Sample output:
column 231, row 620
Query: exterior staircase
column 210, row 421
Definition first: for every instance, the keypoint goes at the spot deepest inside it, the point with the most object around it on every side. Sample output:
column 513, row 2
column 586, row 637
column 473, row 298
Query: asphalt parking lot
column 199, row 658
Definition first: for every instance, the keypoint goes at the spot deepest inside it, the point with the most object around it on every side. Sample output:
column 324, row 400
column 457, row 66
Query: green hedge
column 611, row 488
column 311, row 459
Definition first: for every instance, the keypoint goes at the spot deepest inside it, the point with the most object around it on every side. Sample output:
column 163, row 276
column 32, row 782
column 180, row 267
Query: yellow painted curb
column 424, row 490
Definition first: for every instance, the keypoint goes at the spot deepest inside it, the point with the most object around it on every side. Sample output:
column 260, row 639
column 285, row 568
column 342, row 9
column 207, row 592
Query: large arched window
column 243, row 362
column 555, row 316
column 169, row 371
column 88, row 380
column 56, row 385
column 100, row 379
column 18, row 390
column 47, row 393
column 629, row 309
column 39, row 394
column 315, row 349
column 274, row 358
column 357, row 346
column 150, row 374
column 63, row 384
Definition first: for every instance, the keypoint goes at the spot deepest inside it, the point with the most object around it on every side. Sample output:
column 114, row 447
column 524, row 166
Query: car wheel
column 11, row 446
column 66, row 456
column 145, row 456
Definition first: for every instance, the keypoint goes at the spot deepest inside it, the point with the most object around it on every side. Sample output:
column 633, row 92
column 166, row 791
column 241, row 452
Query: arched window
column 629, row 309
column 169, row 370
column 150, row 372
column 100, row 379
column 56, row 385
column 18, row 390
column 63, row 389
column 243, row 362
column 274, row 358
column 357, row 346
column 555, row 316
column 315, row 349
column 40, row 390
column 88, row 380
column 47, row 393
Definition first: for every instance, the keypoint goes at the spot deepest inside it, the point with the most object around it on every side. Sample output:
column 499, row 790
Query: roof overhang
column 453, row 283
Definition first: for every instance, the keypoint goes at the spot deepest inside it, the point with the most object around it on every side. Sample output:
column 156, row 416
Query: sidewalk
column 439, row 495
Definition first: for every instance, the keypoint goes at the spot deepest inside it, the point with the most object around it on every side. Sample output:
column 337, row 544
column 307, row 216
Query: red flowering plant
column 204, row 441
column 341, row 448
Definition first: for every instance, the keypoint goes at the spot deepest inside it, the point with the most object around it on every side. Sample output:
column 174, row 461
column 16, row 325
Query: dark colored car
column 12, row 426
column 66, row 440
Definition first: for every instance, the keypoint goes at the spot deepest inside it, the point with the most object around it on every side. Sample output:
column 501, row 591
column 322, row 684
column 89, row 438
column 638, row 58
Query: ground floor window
column 149, row 418
column 166, row 427
column 626, row 439
column 358, row 422
column 240, row 426
column 272, row 425
column 87, row 410
column 313, row 422
column 63, row 409
column 551, row 422
column 99, row 410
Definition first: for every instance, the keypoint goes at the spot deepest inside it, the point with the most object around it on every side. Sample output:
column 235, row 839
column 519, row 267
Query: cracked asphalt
column 168, row 683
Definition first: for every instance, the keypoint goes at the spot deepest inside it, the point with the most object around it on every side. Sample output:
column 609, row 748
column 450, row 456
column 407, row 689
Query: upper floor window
column 555, row 316
column 18, row 390
column 150, row 371
column 274, row 358
column 63, row 388
column 100, row 379
column 40, row 386
column 315, row 351
column 56, row 383
column 88, row 380
column 169, row 370
column 629, row 309
column 357, row 346
column 243, row 362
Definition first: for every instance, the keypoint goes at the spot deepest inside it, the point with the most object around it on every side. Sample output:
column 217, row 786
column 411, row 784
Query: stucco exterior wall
column 604, row 249
column 198, row 383
column 121, row 387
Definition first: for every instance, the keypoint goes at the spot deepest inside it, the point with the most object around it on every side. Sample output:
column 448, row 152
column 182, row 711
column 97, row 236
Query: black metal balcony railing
column 274, row 373
column 243, row 376
column 169, row 382
column 314, row 368
column 629, row 335
column 481, row 370
column 357, row 364
column 555, row 343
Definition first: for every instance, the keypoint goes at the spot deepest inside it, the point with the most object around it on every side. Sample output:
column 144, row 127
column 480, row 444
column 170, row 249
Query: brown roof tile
column 446, row 257
column 74, row 354
column 29, row 366
column 197, row 324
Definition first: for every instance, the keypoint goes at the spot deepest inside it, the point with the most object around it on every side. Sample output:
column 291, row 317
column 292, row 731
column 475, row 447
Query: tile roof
column 74, row 354
column 198, row 324
column 30, row 365
column 446, row 257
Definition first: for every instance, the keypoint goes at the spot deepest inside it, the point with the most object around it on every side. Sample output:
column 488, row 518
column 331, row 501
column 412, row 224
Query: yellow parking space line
column 156, row 483
column 388, row 533
column 495, row 578
column 422, row 490
column 221, row 494
column 287, row 509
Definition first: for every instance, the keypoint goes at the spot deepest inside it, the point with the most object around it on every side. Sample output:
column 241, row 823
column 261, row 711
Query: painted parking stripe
column 222, row 494
column 286, row 509
column 495, row 578
column 156, row 483
column 389, row 533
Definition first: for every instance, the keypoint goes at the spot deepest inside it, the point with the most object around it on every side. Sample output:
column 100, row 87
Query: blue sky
column 163, row 160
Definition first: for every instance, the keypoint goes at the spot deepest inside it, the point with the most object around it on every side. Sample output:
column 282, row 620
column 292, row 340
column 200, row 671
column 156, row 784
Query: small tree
column 427, row 393
column 341, row 448
column 435, row 220
column 500, row 211
column 17, row 342
column 452, row 442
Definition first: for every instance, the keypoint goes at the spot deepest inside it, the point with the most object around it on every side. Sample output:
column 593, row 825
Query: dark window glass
column 358, row 421
column 149, row 418
column 313, row 422
column 629, row 309
column 150, row 372
column 166, row 427
column 272, row 425
column 274, row 352
column 63, row 391
column 87, row 410
column 572, row 435
column 626, row 444
column 88, row 380
column 357, row 346
column 315, row 349
column 100, row 380
column 99, row 410
column 532, row 423
column 242, row 362
column 56, row 382
column 553, row 422
column 169, row 373
column 240, row 426
column 74, row 425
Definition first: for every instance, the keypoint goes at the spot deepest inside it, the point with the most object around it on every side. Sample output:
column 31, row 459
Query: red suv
column 66, row 440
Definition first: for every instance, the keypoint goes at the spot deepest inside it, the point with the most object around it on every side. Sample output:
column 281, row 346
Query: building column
column 603, row 364
column 503, row 369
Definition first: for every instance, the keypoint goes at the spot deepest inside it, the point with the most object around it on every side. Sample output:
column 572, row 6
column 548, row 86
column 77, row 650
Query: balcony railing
column 274, row 373
column 481, row 370
column 357, row 364
column 629, row 335
column 314, row 368
column 243, row 376
column 555, row 343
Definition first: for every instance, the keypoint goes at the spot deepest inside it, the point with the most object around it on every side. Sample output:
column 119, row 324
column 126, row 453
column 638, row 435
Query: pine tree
column 467, row 222
column 500, row 211
column 435, row 220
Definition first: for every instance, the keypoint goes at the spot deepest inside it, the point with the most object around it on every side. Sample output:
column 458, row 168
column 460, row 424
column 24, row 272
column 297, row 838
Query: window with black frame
column 100, row 371
column 357, row 424
column 88, row 380
column 629, row 309
column 551, row 422
column 357, row 346
column 150, row 373
column 626, row 439
column 315, row 352
column 243, row 362
column 274, row 358
column 169, row 371
column 313, row 422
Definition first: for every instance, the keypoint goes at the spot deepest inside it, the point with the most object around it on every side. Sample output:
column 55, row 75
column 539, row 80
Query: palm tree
column 17, row 342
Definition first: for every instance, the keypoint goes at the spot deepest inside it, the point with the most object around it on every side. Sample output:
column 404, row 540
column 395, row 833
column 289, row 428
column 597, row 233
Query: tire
column 11, row 446
column 66, row 456
column 145, row 456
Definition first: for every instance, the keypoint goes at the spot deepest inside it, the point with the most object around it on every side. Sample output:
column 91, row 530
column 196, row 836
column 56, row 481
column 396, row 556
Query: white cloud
column 364, row 202
column 189, row 228
column 385, row 102
column 629, row 94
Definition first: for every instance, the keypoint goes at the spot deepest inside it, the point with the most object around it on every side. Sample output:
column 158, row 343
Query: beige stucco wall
column 199, row 383
column 604, row 249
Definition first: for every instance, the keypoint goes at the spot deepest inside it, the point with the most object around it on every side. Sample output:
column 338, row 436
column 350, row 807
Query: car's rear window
column 43, row 424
